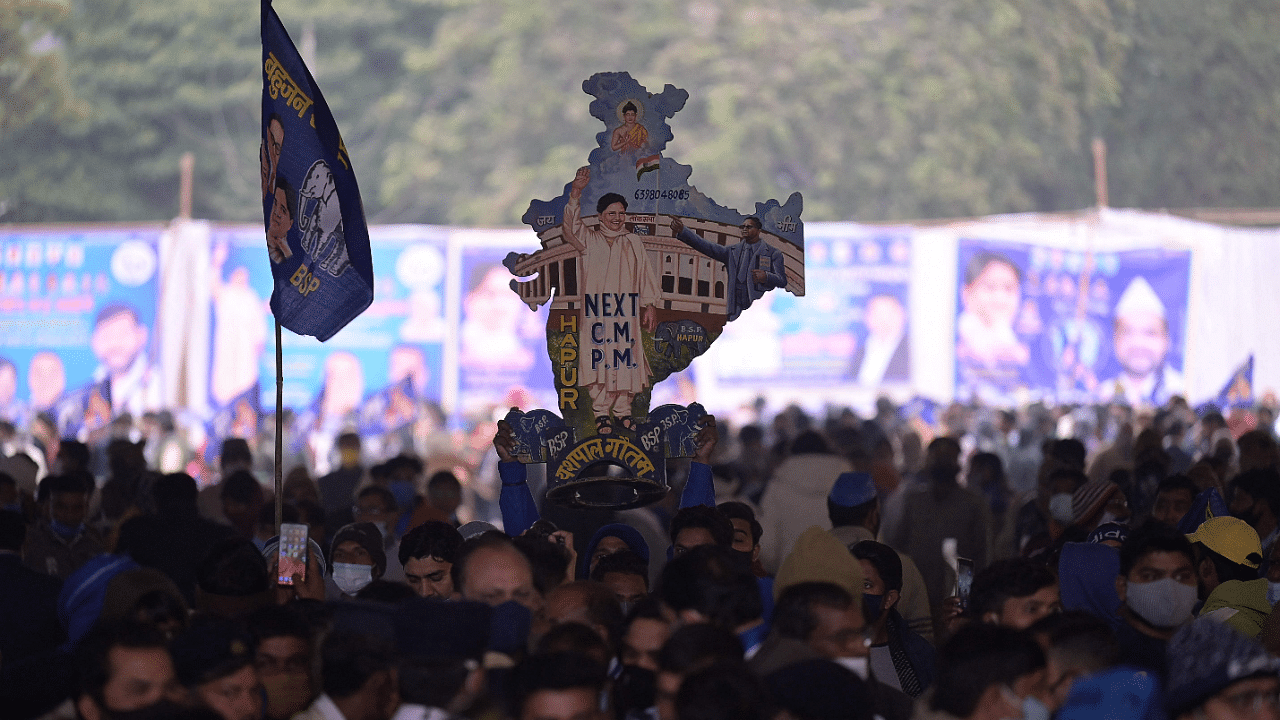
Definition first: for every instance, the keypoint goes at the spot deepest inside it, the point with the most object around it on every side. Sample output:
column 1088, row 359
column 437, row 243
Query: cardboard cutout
column 642, row 272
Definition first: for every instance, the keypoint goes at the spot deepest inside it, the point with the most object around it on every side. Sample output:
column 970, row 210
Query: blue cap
column 1122, row 693
column 852, row 489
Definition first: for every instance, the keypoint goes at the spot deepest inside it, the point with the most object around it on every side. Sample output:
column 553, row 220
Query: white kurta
column 615, row 263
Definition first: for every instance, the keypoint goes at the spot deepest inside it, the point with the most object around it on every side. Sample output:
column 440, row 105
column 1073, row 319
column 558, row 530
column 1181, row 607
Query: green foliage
column 461, row 111
column 33, row 84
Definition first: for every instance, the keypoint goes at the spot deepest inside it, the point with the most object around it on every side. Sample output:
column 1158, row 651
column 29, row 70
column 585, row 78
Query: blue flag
column 316, row 233
column 1238, row 392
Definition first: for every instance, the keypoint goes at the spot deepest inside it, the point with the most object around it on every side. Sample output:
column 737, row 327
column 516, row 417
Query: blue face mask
column 66, row 532
column 872, row 606
column 403, row 490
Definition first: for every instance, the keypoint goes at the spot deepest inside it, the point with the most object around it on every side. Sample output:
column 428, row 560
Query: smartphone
column 964, row 580
column 293, row 553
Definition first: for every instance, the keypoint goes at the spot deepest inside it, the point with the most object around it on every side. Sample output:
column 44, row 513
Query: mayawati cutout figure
column 611, row 361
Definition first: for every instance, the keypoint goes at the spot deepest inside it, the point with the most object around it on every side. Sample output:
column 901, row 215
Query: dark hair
column 242, row 487
column 349, row 659
column 884, row 559
column 288, row 514
column 431, row 539
column 696, row 646
column 278, row 621
column 979, row 262
column 113, row 309
column 735, row 510
column 433, row 682
column 793, row 616
column 842, row 516
column 1178, row 482
column 977, row 657
column 348, row 441
column 629, row 107
column 72, row 482
column 724, row 691
column 992, row 463
column 93, row 654
column 290, row 197
column 234, row 567
column 1262, row 484
column 554, row 671
column 750, row 434
column 1007, row 579
column 1153, row 539
column 549, row 560
column 625, row 562
column 707, row 518
column 74, row 451
column 1068, row 451
column 405, row 463
column 810, row 442
column 756, row 220
column 13, row 530
column 573, row 637
column 1078, row 640
column 388, row 499
column 443, row 481
column 174, row 489
column 649, row 608
column 608, row 199
column 234, row 450
column 713, row 581
column 386, row 591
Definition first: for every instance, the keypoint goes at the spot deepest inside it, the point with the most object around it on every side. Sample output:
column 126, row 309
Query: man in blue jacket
column 753, row 267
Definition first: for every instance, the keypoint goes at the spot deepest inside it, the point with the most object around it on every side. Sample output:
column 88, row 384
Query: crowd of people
column 1074, row 562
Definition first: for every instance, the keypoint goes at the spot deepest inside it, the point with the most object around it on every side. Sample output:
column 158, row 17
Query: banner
column 850, row 329
column 399, row 337
column 77, row 320
column 316, row 234
column 502, row 347
column 1069, row 325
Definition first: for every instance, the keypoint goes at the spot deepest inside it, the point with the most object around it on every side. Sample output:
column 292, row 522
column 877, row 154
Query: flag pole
column 279, row 430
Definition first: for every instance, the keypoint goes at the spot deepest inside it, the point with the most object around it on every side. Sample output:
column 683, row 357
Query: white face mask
column 352, row 578
column 1060, row 508
column 1164, row 603
column 1273, row 593
column 858, row 665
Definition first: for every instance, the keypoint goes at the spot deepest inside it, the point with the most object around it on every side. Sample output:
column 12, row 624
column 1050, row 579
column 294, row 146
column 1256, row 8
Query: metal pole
column 279, row 430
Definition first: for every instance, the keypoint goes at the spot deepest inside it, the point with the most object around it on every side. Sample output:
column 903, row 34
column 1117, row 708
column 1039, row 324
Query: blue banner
column 77, row 325
column 399, row 337
column 1070, row 325
column 502, row 346
column 850, row 329
column 316, row 234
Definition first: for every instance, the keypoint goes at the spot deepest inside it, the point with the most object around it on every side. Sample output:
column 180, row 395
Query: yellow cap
column 1232, row 538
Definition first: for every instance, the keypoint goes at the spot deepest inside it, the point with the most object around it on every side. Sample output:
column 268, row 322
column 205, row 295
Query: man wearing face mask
column 987, row 671
column 126, row 673
column 61, row 542
column 357, row 557
column 1230, row 554
column 1157, row 589
column 854, row 510
column 899, row 657
column 377, row 505
column 283, row 659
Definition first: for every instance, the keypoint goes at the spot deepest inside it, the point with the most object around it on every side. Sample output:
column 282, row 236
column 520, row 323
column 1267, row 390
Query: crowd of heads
column 1050, row 562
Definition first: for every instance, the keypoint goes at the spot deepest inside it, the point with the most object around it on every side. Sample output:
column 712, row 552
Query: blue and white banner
column 1040, row 323
column 78, row 325
column 316, row 234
